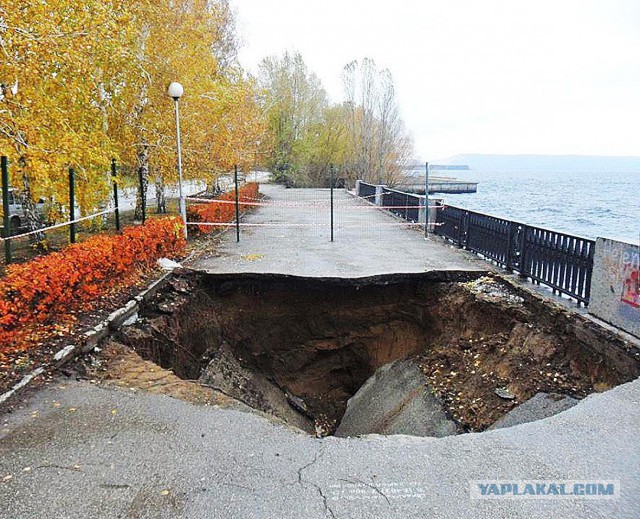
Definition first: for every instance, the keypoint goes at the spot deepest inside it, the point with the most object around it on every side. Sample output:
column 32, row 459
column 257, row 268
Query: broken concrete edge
column 444, row 276
column 531, row 293
column 91, row 338
column 396, row 399
column 538, row 407
column 633, row 339
column 629, row 343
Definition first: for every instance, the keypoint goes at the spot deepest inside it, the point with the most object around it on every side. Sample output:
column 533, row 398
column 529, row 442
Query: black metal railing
column 367, row 191
column 561, row 261
column 404, row 205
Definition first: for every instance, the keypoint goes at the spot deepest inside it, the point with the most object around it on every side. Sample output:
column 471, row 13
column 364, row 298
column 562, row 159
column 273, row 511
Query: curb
column 90, row 339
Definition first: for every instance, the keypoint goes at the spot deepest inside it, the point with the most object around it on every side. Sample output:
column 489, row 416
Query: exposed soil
column 318, row 341
column 512, row 340
column 40, row 343
column 122, row 367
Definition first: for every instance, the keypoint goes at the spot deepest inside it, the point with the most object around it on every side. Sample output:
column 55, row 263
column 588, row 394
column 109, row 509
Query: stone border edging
column 90, row 339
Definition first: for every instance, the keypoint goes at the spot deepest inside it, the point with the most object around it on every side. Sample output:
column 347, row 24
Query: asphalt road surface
column 291, row 234
column 76, row 450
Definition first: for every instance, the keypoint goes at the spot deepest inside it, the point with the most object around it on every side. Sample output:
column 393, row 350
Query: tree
column 378, row 139
column 84, row 81
column 329, row 144
column 60, row 63
column 193, row 42
column 364, row 136
column 294, row 103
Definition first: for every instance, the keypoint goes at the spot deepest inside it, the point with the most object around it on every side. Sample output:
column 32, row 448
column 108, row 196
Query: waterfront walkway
column 291, row 234
column 74, row 449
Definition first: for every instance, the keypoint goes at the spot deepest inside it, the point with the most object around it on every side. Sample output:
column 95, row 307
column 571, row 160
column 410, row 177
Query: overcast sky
column 476, row 76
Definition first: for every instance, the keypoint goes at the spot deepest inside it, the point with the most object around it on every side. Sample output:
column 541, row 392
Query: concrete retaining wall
column 615, row 295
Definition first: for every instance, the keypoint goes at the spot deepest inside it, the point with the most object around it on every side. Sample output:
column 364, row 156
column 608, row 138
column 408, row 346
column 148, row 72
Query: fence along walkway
column 561, row 261
column 408, row 206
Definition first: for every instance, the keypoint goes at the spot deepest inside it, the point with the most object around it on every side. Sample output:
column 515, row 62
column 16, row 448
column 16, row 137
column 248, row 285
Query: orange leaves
column 51, row 287
column 216, row 212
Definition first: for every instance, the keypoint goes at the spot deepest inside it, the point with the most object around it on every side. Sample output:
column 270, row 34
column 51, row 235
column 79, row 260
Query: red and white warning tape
column 56, row 226
column 338, row 226
column 312, row 205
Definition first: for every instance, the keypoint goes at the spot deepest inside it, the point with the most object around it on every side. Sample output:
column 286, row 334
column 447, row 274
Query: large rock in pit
column 396, row 400
column 226, row 374
column 541, row 405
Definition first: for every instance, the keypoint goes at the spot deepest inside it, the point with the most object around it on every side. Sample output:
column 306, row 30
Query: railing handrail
column 404, row 193
column 522, row 223
column 557, row 259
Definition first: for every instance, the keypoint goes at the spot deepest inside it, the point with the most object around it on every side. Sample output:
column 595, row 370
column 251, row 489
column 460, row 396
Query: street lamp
column 175, row 91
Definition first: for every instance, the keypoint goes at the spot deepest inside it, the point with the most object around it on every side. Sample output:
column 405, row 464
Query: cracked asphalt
column 75, row 450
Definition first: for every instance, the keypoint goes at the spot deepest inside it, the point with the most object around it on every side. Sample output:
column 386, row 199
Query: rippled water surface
column 580, row 203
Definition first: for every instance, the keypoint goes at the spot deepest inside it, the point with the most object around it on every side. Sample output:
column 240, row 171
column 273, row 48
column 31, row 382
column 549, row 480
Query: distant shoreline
column 534, row 163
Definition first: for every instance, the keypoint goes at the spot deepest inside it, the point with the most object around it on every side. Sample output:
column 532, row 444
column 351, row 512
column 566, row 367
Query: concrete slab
column 77, row 450
column 291, row 235
column 396, row 400
column 541, row 405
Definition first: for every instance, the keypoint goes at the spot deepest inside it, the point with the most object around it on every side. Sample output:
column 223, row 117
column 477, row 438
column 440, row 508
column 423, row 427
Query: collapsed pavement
column 299, row 349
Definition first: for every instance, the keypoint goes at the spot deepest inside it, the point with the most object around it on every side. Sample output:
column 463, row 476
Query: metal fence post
column 72, row 205
column 523, row 251
column 331, row 191
column 406, row 206
column 462, row 228
column 5, row 209
column 588, row 277
column 467, row 229
column 508, row 259
column 426, row 199
column 114, row 177
column 235, row 180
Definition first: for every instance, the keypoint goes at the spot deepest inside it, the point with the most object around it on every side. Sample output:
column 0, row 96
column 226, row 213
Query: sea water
column 587, row 204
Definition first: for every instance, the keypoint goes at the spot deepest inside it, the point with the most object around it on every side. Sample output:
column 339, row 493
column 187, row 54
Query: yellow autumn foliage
column 82, row 81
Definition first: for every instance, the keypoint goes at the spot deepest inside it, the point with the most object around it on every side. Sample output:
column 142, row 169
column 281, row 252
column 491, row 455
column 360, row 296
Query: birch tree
column 378, row 139
column 59, row 64
column 83, row 81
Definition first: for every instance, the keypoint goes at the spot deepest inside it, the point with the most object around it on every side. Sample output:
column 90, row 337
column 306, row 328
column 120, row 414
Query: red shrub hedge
column 52, row 286
column 217, row 211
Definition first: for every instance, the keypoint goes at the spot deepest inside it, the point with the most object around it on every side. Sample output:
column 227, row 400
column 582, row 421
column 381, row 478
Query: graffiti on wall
column 631, row 286
column 622, row 266
column 615, row 284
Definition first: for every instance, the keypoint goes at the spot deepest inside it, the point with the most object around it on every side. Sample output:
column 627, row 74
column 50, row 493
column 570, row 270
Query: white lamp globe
column 175, row 90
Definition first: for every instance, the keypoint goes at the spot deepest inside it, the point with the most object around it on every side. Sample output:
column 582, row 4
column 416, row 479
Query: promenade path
column 74, row 449
column 290, row 234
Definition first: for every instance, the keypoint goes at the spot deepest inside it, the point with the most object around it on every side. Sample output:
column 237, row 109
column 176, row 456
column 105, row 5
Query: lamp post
column 175, row 91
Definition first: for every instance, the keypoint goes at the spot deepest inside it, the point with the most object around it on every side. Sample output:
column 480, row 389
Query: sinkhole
column 427, row 354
